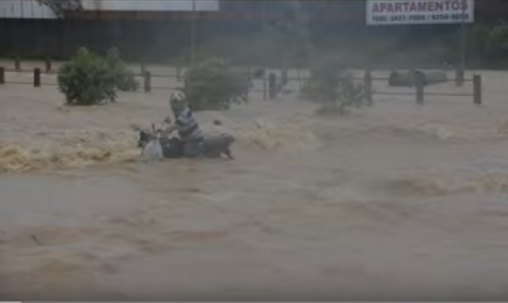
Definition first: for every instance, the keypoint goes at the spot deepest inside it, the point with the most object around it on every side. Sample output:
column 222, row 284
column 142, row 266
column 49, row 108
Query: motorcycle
column 154, row 146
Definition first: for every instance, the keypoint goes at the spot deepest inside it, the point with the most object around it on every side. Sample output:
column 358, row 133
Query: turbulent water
column 396, row 201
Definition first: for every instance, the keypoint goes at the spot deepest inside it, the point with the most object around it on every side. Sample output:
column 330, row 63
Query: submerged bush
column 213, row 84
column 331, row 85
column 123, row 76
column 89, row 79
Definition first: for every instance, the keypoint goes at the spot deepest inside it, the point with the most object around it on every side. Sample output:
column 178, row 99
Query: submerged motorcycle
column 154, row 146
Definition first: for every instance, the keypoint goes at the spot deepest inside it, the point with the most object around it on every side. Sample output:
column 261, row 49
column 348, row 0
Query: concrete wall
column 61, row 38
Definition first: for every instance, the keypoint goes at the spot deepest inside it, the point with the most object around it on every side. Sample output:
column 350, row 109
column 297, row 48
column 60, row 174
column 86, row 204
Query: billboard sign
column 392, row 12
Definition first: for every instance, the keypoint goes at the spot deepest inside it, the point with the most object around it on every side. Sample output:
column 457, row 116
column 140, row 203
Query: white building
column 24, row 9
column 33, row 9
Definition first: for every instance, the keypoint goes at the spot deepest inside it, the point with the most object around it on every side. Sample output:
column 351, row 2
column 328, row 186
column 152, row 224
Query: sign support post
column 460, row 78
column 193, row 33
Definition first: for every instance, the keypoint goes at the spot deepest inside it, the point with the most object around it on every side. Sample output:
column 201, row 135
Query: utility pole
column 263, row 13
column 193, row 33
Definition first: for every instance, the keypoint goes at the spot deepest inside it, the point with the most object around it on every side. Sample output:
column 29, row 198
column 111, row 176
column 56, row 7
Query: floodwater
column 396, row 201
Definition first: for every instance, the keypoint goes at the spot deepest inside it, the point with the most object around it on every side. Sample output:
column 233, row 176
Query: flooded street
column 397, row 201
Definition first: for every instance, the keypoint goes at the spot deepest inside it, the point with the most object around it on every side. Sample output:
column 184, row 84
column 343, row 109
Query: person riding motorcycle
column 188, row 128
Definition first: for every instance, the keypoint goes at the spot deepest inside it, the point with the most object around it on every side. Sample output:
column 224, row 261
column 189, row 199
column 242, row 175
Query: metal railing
column 271, row 86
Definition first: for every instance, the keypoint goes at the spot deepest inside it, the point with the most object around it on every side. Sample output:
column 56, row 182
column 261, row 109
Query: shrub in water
column 123, row 76
column 213, row 84
column 89, row 79
column 334, row 87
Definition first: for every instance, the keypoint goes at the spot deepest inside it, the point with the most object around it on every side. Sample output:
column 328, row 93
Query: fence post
column 17, row 63
column 2, row 75
column 368, row 87
column 265, row 91
column 148, row 81
column 419, row 83
column 48, row 65
column 284, row 77
column 477, row 86
column 272, row 86
column 299, row 78
column 459, row 77
column 143, row 66
column 37, row 77
column 178, row 74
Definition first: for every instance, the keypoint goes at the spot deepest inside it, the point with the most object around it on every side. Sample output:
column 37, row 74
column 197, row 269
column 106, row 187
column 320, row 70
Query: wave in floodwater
column 435, row 186
column 293, row 136
column 503, row 128
column 445, row 132
column 75, row 149
column 67, row 149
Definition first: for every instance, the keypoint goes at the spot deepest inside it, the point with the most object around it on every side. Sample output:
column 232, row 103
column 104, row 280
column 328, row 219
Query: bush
column 89, row 79
column 124, row 77
column 213, row 84
column 488, row 45
column 331, row 85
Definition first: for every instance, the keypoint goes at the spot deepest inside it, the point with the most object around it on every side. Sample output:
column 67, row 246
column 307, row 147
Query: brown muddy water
column 396, row 201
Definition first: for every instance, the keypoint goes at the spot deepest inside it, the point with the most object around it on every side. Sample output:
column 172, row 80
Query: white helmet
column 177, row 101
column 177, row 96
